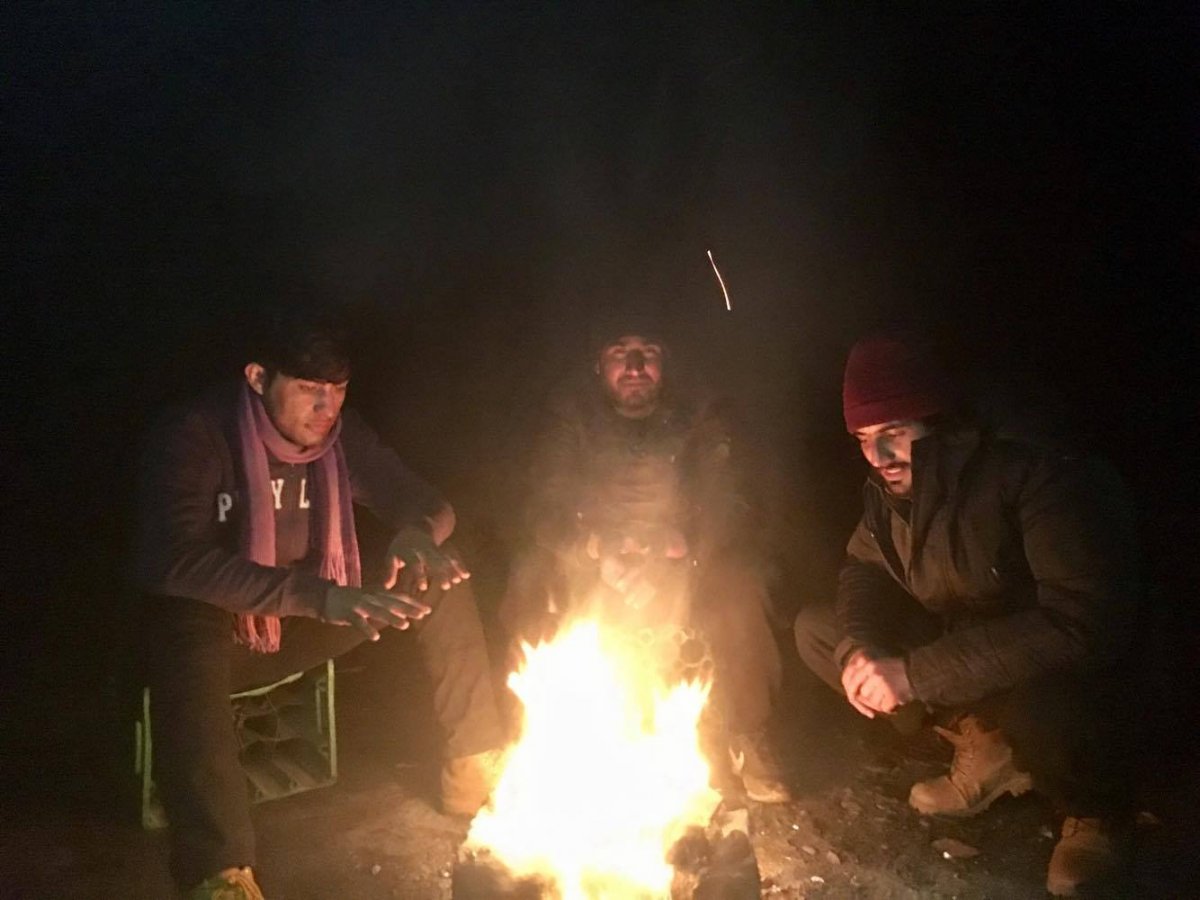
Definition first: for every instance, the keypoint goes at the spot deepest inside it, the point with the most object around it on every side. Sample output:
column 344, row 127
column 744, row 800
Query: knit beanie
column 608, row 325
column 892, row 375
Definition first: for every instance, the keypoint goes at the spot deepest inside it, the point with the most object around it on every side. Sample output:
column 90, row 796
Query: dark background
column 471, row 181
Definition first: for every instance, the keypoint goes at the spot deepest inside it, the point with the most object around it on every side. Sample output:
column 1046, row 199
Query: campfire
column 606, row 787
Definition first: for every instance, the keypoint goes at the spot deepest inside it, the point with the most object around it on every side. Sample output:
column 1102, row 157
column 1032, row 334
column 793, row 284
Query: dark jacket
column 596, row 471
column 1027, row 556
column 189, row 508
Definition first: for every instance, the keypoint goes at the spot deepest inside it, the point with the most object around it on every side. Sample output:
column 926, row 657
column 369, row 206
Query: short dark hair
column 304, row 343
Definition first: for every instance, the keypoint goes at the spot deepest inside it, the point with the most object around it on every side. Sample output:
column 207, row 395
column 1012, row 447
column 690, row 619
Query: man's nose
column 878, row 452
column 635, row 361
column 324, row 398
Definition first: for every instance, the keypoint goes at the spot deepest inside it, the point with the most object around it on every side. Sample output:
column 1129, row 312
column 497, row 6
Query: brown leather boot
column 1084, row 854
column 229, row 884
column 982, row 770
column 468, row 781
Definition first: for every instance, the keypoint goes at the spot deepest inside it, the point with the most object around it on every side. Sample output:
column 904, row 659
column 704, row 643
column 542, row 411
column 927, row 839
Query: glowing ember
column 607, row 774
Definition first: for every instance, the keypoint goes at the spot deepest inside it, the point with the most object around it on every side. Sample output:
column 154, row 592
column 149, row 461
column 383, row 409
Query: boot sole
column 1021, row 784
column 767, row 796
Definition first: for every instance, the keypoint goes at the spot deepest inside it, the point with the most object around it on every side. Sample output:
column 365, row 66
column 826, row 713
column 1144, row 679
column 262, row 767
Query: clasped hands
column 624, row 559
column 876, row 685
column 413, row 562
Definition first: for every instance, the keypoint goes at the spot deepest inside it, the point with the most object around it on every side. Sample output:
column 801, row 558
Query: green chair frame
column 275, row 772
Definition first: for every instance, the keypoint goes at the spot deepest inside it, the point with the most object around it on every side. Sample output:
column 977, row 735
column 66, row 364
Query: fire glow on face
column 607, row 774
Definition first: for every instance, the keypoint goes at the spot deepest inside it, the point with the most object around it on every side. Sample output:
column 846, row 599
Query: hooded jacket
column 1026, row 555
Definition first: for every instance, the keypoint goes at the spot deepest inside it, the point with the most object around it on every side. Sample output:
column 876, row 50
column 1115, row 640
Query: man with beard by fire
column 993, row 581
column 636, row 499
column 250, row 561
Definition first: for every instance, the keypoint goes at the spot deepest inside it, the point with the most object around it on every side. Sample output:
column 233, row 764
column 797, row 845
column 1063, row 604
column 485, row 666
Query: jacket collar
column 938, row 462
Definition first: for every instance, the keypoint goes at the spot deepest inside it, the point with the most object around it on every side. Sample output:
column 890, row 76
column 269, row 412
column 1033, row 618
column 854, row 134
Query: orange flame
column 607, row 774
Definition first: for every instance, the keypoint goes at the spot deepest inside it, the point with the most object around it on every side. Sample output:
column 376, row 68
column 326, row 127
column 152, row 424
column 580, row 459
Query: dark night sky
column 470, row 180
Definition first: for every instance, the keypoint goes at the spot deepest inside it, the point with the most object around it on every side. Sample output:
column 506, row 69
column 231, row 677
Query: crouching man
column 994, row 582
column 248, row 553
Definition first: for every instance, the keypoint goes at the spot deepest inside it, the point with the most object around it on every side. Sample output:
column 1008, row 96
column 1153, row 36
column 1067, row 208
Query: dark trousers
column 1066, row 730
column 725, row 601
column 195, row 666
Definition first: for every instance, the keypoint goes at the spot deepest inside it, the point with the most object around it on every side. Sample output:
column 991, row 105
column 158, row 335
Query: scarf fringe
column 261, row 634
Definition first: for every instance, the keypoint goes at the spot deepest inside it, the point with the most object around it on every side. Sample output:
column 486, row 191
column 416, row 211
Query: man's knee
column 188, row 647
column 732, row 585
column 1063, row 711
column 817, row 636
column 453, row 610
column 1072, row 734
column 305, row 643
column 816, row 630
column 535, row 589
column 733, row 567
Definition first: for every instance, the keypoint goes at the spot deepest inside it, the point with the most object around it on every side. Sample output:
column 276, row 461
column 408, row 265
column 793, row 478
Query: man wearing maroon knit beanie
column 993, row 583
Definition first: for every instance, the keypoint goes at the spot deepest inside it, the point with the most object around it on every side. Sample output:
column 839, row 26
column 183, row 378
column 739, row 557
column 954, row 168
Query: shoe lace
column 1073, row 825
column 964, row 754
column 239, row 885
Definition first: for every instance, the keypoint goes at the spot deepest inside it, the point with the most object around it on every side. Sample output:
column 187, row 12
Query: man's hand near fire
column 370, row 611
column 414, row 562
column 876, row 685
column 624, row 561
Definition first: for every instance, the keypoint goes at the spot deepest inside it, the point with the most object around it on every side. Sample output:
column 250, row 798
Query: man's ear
column 256, row 377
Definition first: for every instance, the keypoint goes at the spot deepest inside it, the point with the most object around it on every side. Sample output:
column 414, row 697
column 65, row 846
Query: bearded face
column 887, row 447
column 630, row 370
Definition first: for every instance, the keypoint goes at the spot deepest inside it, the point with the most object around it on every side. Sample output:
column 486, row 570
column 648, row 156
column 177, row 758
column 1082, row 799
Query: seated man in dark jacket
column 248, row 551
column 635, row 498
column 993, row 579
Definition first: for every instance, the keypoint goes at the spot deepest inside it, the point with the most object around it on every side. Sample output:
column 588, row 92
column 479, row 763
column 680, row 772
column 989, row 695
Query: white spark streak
column 720, row 280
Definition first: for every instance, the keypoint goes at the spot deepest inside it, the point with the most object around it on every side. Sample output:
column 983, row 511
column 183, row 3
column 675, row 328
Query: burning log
column 607, row 792
column 716, row 863
column 480, row 876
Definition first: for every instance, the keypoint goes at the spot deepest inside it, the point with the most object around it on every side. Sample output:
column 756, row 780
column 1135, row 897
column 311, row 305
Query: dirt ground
column 376, row 835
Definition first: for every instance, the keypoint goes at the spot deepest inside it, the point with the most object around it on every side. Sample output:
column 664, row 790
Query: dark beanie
column 607, row 326
column 892, row 375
